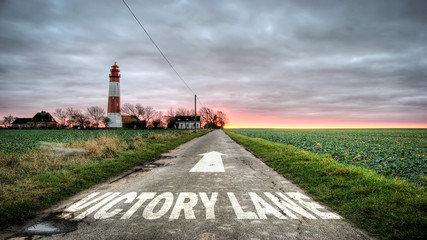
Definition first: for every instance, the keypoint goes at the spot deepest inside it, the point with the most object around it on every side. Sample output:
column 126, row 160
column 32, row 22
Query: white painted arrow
column 210, row 162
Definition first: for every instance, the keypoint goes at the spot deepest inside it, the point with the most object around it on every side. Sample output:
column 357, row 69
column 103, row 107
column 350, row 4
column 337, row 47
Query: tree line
column 144, row 117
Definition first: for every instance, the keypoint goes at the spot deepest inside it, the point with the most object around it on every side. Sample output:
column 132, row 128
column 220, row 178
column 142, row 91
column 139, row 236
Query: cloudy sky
column 284, row 63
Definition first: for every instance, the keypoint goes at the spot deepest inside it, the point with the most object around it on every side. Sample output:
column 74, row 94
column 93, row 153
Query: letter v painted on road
column 211, row 162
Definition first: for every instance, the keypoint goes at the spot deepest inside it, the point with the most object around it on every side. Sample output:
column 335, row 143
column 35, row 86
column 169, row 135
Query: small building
column 21, row 123
column 130, row 122
column 187, row 122
column 40, row 120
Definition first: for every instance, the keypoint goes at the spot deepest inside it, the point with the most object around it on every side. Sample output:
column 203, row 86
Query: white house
column 187, row 122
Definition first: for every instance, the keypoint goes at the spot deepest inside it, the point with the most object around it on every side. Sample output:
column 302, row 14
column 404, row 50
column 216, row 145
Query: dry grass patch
column 104, row 146
column 33, row 161
column 14, row 167
column 157, row 136
column 138, row 142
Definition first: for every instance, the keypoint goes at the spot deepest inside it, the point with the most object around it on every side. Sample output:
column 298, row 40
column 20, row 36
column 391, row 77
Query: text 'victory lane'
column 289, row 205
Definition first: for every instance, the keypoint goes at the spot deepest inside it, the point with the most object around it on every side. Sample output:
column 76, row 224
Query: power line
column 198, row 99
column 160, row 51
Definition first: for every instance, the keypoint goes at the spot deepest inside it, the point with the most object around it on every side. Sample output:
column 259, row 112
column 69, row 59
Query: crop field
column 396, row 153
column 20, row 141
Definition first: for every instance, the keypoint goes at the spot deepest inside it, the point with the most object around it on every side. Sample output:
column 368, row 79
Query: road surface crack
column 299, row 229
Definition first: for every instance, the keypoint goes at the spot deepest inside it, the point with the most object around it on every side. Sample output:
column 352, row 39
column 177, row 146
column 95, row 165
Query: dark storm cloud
column 346, row 60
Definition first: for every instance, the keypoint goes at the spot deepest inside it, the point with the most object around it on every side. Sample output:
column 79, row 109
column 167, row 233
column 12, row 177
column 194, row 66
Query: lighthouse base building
column 114, row 107
column 115, row 120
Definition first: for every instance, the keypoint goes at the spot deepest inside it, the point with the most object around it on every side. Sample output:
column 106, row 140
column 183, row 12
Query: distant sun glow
column 245, row 121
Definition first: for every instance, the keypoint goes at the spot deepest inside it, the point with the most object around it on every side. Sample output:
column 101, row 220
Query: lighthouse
column 114, row 112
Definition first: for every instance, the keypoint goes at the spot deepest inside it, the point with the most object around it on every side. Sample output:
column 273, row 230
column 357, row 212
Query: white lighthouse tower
column 114, row 107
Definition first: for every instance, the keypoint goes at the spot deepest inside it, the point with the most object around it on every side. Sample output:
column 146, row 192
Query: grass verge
column 36, row 180
column 390, row 209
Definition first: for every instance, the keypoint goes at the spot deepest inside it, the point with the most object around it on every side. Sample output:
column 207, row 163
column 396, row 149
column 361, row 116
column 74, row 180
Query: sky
column 267, row 63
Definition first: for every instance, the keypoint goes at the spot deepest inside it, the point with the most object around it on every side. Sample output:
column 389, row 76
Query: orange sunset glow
column 246, row 121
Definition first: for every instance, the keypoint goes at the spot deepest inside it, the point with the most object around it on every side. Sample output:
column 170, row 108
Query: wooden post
column 195, row 113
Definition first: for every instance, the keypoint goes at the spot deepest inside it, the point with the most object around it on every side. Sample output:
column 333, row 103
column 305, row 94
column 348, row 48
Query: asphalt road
column 226, row 193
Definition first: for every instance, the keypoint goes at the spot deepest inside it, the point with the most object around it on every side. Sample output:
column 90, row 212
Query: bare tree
column 158, row 120
column 144, row 115
column 140, row 110
column 180, row 112
column 96, row 114
column 170, row 113
column 208, row 116
column 183, row 112
column 81, row 119
column 213, row 119
column 70, row 111
column 149, row 114
column 170, row 118
column 221, row 119
column 129, row 109
column 76, row 116
column 61, row 115
column 7, row 120
column 137, row 111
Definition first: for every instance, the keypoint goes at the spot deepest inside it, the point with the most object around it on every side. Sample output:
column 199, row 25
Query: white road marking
column 102, row 213
column 211, row 162
column 238, row 210
column 149, row 210
column 186, row 206
column 97, row 206
column 312, row 206
column 289, row 205
column 81, row 204
column 142, row 198
column 263, row 208
column 209, row 204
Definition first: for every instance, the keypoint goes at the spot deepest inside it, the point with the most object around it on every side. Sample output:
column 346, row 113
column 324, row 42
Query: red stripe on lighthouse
column 113, row 104
column 114, row 78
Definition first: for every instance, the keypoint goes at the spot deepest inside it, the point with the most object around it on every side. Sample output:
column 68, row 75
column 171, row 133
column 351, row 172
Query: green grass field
column 20, row 141
column 387, row 207
column 395, row 153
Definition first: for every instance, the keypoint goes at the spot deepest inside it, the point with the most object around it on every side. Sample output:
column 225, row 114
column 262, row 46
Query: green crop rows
column 20, row 141
column 396, row 153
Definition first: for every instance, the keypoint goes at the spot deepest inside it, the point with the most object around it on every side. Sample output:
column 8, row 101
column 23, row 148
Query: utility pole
column 195, row 113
